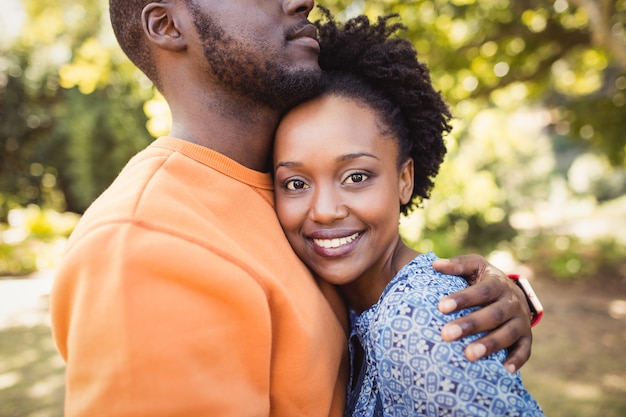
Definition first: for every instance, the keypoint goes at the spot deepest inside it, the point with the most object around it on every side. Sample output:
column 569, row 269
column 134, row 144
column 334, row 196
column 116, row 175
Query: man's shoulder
column 120, row 199
column 167, row 195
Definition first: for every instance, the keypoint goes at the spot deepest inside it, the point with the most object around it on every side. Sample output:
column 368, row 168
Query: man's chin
column 294, row 90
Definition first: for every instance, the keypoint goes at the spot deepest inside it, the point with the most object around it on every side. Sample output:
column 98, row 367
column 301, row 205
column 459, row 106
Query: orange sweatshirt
column 180, row 296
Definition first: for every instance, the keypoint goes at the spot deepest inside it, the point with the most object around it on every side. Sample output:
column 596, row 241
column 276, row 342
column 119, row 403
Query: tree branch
column 600, row 12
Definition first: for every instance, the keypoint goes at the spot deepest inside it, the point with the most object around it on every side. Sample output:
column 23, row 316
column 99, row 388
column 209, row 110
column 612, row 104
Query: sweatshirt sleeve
column 152, row 324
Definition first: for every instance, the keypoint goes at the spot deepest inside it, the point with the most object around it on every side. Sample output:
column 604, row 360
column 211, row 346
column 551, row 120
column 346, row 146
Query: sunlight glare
column 617, row 309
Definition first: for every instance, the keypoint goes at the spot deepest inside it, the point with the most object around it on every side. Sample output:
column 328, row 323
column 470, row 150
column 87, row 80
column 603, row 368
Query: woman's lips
column 335, row 246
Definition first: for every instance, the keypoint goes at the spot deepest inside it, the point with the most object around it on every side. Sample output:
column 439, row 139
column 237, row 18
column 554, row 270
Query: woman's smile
column 335, row 242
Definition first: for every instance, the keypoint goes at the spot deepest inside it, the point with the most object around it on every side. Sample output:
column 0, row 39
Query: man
column 179, row 294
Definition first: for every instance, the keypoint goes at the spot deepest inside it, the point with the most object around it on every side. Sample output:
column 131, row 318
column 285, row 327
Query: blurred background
column 535, row 176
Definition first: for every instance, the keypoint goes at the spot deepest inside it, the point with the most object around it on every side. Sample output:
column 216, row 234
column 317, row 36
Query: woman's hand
column 505, row 314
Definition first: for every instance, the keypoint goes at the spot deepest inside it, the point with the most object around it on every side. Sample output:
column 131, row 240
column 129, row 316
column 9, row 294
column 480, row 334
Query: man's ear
column 405, row 181
column 160, row 27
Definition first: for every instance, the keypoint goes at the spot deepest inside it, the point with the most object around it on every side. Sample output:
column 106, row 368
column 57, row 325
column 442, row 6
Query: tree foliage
column 71, row 107
column 568, row 55
column 538, row 88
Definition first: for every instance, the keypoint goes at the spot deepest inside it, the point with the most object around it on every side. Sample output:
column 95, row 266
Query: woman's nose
column 327, row 207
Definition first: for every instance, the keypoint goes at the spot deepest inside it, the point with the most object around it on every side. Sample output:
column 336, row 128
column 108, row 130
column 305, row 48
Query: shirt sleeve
column 418, row 373
column 154, row 325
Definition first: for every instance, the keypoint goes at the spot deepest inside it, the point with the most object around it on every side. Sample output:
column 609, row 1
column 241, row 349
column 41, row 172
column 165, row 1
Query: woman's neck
column 365, row 291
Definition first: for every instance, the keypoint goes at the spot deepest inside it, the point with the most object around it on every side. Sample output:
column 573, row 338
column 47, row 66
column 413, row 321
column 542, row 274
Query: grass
column 31, row 373
column 578, row 364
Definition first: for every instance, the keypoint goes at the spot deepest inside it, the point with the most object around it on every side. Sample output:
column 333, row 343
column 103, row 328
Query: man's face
column 263, row 50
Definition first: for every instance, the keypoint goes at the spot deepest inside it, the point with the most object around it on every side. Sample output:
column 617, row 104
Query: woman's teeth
column 335, row 243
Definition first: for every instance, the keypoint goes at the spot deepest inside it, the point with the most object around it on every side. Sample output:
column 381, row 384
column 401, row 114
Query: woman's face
column 339, row 188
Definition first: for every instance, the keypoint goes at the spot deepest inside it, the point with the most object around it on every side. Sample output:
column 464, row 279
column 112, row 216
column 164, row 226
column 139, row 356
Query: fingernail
column 451, row 332
column 447, row 306
column 511, row 368
column 476, row 351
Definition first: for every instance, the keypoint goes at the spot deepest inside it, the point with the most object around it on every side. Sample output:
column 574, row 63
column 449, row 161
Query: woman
column 346, row 165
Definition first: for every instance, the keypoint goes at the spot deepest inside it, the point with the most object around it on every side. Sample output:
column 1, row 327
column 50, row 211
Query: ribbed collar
column 216, row 161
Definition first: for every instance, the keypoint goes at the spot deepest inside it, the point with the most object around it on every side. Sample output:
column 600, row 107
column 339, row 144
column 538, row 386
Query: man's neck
column 242, row 131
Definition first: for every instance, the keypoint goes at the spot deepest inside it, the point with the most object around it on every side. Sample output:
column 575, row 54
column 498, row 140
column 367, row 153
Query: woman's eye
column 296, row 185
column 355, row 178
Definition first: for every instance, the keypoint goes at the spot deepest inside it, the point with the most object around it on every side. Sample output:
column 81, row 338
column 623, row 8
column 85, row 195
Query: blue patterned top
column 409, row 370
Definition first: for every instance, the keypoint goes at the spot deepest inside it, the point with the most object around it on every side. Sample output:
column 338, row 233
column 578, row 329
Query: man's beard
column 252, row 74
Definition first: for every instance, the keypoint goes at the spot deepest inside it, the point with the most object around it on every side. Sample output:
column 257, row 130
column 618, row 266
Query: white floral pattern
column 409, row 370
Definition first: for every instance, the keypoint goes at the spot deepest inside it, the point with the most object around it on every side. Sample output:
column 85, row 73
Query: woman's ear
column 160, row 26
column 405, row 181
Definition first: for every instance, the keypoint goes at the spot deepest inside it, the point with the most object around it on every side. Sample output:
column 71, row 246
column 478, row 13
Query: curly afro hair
column 362, row 61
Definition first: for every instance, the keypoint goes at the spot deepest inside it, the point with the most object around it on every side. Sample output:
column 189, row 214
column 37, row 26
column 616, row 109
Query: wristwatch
column 536, row 309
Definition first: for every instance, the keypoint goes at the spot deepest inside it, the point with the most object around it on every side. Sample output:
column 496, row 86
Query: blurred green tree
column 536, row 86
column 570, row 55
column 71, row 107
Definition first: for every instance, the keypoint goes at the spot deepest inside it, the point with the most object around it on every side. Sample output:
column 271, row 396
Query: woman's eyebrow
column 349, row 156
column 340, row 158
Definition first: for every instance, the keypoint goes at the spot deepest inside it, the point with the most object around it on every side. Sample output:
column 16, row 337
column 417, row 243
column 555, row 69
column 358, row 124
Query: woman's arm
column 505, row 313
